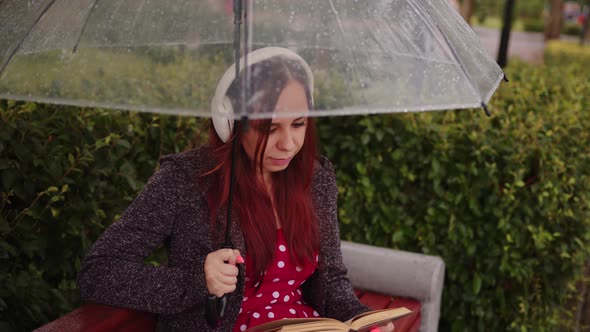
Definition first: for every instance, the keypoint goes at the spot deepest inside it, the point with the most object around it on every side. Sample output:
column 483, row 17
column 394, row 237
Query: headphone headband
column 221, row 107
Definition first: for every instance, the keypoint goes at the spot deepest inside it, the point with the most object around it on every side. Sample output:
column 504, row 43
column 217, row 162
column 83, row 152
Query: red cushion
column 409, row 323
column 99, row 317
column 102, row 318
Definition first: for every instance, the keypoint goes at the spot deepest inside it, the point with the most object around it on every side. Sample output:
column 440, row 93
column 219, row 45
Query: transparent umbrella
column 165, row 56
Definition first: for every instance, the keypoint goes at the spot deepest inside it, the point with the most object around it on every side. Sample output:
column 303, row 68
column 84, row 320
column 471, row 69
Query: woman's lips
column 280, row 162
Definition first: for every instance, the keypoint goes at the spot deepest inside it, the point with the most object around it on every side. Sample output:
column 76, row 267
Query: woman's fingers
column 221, row 271
column 227, row 255
column 383, row 328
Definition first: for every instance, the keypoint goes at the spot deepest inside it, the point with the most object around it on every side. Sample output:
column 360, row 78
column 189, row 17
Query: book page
column 377, row 317
column 317, row 326
column 287, row 324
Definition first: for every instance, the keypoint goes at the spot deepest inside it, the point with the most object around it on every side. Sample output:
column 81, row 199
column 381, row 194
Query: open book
column 360, row 323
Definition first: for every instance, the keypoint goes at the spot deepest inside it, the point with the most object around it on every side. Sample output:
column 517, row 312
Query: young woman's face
column 286, row 136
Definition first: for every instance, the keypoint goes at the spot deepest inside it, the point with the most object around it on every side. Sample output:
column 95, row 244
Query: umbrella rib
column 454, row 54
column 471, row 84
column 13, row 53
column 75, row 48
column 354, row 66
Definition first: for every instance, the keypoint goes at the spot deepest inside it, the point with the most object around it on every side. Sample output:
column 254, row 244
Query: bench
column 409, row 276
column 415, row 279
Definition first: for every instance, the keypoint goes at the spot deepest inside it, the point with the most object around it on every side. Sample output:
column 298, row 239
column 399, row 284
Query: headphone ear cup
column 222, row 121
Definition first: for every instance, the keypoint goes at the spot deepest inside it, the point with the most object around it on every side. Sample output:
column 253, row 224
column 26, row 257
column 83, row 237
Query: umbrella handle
column 215, row 309
column 215, row 306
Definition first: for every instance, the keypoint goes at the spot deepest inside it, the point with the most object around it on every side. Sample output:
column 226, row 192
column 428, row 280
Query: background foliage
column 503, row 200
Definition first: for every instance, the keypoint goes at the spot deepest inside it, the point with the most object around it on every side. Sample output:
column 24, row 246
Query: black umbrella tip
column 485, row 108
column 506, row 79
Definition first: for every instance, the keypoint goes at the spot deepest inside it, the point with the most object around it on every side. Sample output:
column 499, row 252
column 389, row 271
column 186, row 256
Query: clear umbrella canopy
column 166, row 56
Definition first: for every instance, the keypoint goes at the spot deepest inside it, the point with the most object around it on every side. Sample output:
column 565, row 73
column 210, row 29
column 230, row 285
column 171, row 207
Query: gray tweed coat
column 172, row 211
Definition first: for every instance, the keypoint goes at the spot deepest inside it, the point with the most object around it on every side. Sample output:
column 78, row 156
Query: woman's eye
column 272, row 130
column 299, row 124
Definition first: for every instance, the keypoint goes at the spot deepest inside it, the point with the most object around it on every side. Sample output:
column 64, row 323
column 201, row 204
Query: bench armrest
column 398, row 272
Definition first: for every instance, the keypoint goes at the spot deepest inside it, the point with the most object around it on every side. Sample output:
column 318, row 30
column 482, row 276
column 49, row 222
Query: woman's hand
column 221, row 273
column 383, row 328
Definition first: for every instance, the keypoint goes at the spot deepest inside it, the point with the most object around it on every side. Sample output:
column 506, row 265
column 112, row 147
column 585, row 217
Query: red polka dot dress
column 280, row 295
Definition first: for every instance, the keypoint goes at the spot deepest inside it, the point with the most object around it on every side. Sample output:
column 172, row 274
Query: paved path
column 527, row 46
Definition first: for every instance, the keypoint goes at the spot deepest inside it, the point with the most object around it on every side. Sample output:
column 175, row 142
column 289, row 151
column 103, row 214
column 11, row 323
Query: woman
column 285, row 230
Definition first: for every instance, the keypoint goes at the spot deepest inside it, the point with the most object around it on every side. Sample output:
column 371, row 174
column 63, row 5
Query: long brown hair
column 291, row 189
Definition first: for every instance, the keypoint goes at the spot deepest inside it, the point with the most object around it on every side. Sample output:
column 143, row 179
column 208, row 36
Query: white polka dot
column 317, row 258
column 276, row 280
column 271, row 315
column 273, row 301
column 256, row 315
column 259, row 295
column 243, row 327
column 282, row 248
column 315, row 313
column 292, row 311
column 291, row 282
column 245, row 299
column 275, row 294
column 305, row 314
column 299, row 291
column 256, row 284
column 298, row 302
column 299, row 269
column 281, row 264
column 240, row 311
column 286, row 298
column 268, row 307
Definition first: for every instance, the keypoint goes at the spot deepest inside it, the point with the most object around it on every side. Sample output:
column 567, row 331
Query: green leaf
column 476, row 283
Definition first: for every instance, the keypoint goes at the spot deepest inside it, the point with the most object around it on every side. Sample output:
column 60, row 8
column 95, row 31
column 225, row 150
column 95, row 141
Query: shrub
column 571, row 28
column 65, row 175
column 570, row 55
column 533, row 25
column 503, row 200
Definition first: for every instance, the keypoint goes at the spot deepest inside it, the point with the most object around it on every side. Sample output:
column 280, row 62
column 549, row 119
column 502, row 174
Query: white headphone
column 221, row 107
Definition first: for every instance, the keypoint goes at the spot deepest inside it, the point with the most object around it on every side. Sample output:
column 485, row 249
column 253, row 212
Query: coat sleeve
column 340, row 301
column 114, row 273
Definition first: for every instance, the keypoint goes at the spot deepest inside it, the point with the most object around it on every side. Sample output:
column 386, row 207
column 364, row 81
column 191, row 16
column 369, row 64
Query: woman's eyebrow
column 277, row 123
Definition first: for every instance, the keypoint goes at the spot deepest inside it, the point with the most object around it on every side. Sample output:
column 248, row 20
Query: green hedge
column 572, row 28
column 65, row 174
column 571, row 56
column 534, row 25
column 504, row 200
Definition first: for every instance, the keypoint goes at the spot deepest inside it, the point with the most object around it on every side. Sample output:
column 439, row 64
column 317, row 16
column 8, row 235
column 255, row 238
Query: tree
column 553, row 27
column 585, row 35
column 467, row 9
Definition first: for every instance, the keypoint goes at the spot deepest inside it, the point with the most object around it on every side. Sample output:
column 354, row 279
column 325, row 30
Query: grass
column 496, row 23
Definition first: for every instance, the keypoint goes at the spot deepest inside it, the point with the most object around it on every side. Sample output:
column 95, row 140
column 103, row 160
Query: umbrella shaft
column 237, row 24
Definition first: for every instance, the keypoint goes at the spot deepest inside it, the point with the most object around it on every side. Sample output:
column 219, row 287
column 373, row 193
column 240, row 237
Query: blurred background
column 504, row 200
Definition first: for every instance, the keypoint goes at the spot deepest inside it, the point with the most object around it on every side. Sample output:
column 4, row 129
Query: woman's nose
column 285, row 141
